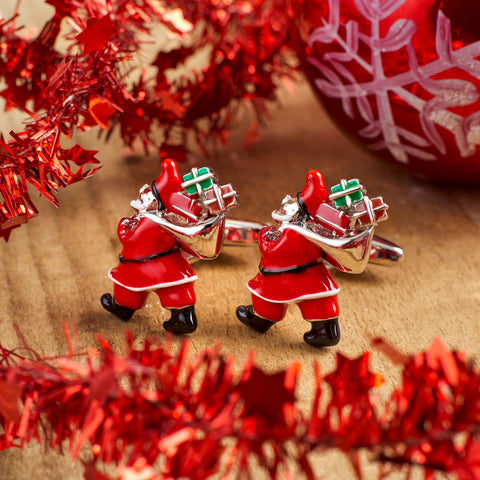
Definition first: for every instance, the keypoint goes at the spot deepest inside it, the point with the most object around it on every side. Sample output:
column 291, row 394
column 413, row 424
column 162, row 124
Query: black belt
column 295, row 269
column 150, row 257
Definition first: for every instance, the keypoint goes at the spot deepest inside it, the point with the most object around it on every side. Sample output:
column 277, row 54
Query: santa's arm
column 202, row 239
column 246, row 232
column 349, row 253
column 126, row 227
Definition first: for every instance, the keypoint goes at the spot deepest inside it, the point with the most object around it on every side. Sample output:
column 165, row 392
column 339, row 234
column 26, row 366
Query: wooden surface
column 54, row 269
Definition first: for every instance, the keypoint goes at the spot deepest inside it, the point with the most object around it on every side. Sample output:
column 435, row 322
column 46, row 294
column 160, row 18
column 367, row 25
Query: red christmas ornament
column 400, row 76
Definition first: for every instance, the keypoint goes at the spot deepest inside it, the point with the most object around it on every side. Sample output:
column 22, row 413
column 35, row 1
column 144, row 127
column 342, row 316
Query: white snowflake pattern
column 382, row 130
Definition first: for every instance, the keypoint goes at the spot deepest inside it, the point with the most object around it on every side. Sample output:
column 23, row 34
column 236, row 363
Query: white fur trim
column 154, row 287
column 310, row 296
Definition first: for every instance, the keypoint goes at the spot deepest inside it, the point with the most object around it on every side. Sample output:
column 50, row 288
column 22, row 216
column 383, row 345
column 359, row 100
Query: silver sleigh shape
column 202, row 240
column 350, row 253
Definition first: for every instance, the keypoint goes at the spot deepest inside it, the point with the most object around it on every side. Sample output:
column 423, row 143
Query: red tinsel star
column 97, row 34
column 352, row 380
column 265, row 395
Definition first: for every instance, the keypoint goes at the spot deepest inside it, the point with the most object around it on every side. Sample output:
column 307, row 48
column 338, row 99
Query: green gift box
column 198, row 180
column 347, row 192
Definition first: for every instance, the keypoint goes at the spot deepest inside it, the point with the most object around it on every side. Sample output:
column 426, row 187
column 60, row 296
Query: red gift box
column 185, row 206
column 332, row 219
column 370, row 211
column 220, row 199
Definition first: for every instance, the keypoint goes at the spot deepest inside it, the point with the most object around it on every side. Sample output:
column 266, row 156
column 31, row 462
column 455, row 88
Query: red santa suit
column 151, row 260
column 291, row 266
column 292, row 271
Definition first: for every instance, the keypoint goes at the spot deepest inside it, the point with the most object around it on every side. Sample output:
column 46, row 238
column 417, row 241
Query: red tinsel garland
column 92, row 84
column 149, row 404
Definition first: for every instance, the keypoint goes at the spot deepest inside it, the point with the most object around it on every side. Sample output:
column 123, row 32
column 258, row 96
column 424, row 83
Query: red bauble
column 401, row 76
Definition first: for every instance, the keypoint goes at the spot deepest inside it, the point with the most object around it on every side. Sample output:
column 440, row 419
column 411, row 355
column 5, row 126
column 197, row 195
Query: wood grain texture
column 54, row 269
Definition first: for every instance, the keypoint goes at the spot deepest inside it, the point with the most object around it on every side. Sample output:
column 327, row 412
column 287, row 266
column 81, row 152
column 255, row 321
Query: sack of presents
column 350, row 209
column 200, row 187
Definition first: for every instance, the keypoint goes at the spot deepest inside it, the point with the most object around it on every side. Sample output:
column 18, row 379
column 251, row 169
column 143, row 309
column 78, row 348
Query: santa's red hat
column 168, row 183
column 313, row 194
column 167, row 190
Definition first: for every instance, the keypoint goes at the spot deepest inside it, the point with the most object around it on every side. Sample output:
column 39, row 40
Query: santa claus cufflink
column 176, row 218
column 313, row 231
column 181, row 219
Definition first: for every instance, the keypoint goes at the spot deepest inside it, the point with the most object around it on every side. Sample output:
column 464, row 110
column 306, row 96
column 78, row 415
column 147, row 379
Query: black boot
column 323, row 333
column 182, row 321
column 247, row 316
column 123, row 313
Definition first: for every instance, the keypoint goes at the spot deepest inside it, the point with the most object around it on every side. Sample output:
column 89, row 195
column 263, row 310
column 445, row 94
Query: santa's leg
column 323, row 315
column 123, row 302
column 261, row 315
column 180, row 300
